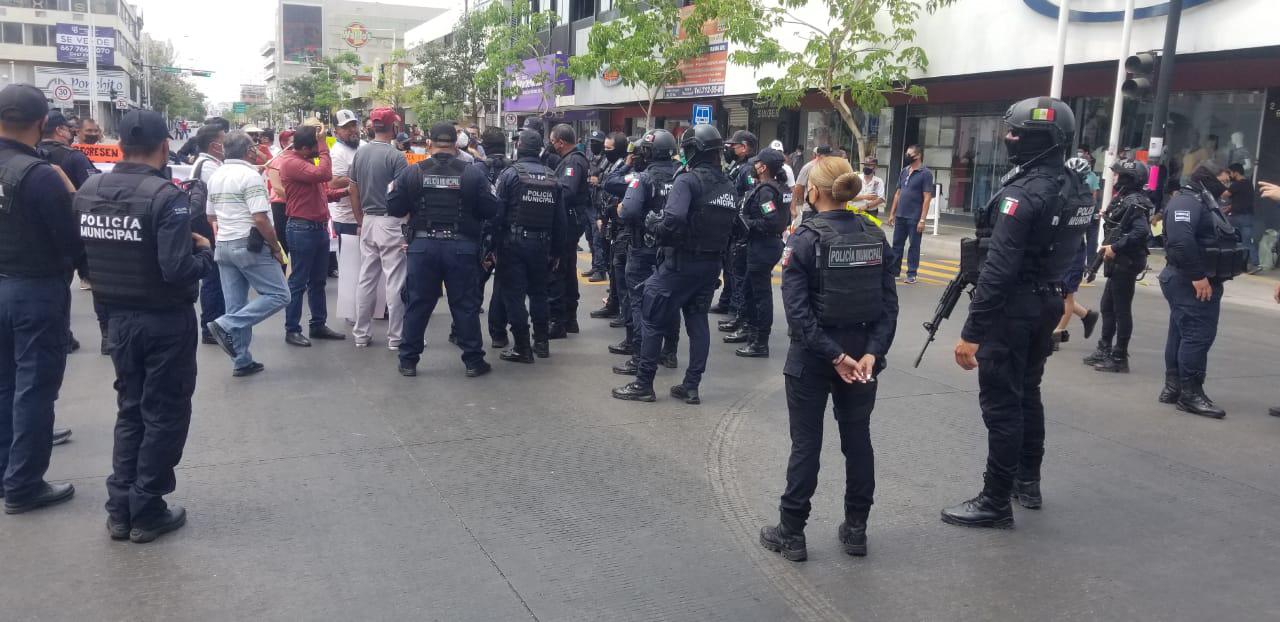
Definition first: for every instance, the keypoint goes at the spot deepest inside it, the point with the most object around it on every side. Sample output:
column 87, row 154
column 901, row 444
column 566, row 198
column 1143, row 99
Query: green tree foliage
column 514, row 33
column 170, row 93
column 323, row 89
column 445, row 71
column 647, row 46
column 862, row 52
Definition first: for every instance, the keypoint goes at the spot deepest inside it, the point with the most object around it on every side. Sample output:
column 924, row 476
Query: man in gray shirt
column 382, row 259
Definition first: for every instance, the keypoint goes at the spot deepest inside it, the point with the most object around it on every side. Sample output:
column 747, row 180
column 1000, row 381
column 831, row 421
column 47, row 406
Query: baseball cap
column 443, row 134
column 743, row 137
column 56, row 118
column 383, row 116
column 823, row 150
column 346, row 116
column 251, row 129
column 595, row 135
column 143, row 128
column 22, row 103
column 776, row 145
column 286, row 136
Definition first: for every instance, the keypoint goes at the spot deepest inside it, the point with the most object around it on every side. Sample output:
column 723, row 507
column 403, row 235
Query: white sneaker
column 362, row 344
column 394, row 347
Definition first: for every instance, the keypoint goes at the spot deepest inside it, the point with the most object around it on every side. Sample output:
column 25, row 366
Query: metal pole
column 1117, row 110
column 1059, row 62
column 93, row 64
column 1160, row 112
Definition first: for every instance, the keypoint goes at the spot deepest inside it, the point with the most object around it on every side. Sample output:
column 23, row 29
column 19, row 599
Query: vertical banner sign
column 703, row 75
column 73, row 44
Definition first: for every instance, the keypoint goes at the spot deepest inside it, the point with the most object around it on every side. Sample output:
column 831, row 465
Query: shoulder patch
column 568, row 171
column 768, row 207
column 635, row 183
column 1009, row 206
column 1182, row 215
column 786, row 255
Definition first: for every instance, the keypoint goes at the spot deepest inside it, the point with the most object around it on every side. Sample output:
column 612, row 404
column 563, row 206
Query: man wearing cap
column 571, row 173
column 550, row 158
column 56, row 145
column 146, row 265
column 742, row 148
column 382, row 260
column 872, row 196
column 306, row 196
column 39, row 244
column 447, row 202
column 342, row 155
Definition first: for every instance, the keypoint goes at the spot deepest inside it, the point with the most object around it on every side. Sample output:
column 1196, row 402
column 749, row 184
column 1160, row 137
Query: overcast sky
column 223, row 36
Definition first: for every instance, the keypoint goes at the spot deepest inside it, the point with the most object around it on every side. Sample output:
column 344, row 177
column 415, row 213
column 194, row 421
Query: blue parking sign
column 701, row 114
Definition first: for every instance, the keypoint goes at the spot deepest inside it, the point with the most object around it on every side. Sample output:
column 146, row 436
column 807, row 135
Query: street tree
column 445, row 70
column 170, row 92
column 647, row 46
column 515, row 32
column 323, row 88
column 856, row 53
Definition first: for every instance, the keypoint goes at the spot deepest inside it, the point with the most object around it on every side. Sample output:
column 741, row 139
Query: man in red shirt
column 306, row 198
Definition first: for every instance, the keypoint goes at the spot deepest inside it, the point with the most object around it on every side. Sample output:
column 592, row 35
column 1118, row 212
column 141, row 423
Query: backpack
column 198, row 193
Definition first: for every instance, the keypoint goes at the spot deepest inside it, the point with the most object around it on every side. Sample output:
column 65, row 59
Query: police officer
column 693, row 230
column 1124, row 253
column 550, row 158
column 494, row 143
column 1031, row 233
column 39, row 244
column 1203, row 251
column 842, row 307
column 447, row 201
column 589, row 219
column 647, row 193
column 146, row 266
column 571, row 173
column 765, row 215
column 56, row 144
column 533, row 226
column 615, row 159
column 742, row 148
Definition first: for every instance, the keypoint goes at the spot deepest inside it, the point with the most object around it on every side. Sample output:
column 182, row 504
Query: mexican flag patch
column 1009, row 206
column 635, row 183
column 786, row 256
column 568, row 171
column 767, row 208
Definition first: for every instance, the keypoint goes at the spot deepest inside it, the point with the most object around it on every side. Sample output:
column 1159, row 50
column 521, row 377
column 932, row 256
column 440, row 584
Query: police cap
column 529, row 141
column 144, row 129
column 743, row 137
column 443, row 134
column 771, row 159
column 595, row 136
column 22, row 104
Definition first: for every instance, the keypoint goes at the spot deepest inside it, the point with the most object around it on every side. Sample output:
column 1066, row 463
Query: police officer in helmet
column 1203, row 251
column 1030, row 233
column 572, row 173
column 842, row 307
column 647, row 192
column 741, row 150
column 146, row 265
column 533, row 226
column 693, row 231
column 616, row 147
column 1124, row 254
column 590, row 219
column 765, row 215
column 39, row 245
column 447, row 201
column 494, row 143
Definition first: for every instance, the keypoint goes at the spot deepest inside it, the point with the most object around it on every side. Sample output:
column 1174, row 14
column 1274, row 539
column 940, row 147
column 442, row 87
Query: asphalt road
column 330, row 488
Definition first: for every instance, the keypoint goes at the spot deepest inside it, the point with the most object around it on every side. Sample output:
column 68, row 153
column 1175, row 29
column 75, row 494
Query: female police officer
column 765, row 216
column 842, row 308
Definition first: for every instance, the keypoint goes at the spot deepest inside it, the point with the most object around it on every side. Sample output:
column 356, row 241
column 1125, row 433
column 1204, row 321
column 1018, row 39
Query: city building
column 307, row 30
column 45, row 43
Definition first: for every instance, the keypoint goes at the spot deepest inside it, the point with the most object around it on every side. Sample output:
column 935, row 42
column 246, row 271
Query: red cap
column 384, row 117
column 286, row 136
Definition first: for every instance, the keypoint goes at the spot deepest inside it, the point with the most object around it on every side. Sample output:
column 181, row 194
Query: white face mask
column 418, row 149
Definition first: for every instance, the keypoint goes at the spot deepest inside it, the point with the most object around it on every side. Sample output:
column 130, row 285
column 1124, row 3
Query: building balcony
column 268, row 49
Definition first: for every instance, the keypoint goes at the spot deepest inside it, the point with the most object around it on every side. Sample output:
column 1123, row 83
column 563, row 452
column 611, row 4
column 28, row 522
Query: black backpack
column 198, row 193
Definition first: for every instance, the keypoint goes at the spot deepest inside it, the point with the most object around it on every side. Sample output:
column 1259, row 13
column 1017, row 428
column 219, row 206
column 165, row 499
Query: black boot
column 719, row 308
column 669, row 360
column 690, row 396
column 571, row 326
column 618, row 322
column 521, row 352
column 607, row 312
column 1117, row 363
column 556, row 330
column 1172, row 388
column 756, row 348
column 853, row 533
column 780, row 539
column 991, row 508
column 542, row 349
column 1027, row 492
column 1194, row 401
column 742, row 335
column 635, row 392
column 623, row 348
column 500, row 341
column 1099, row 355
column 628, row 368
column 730, row 325
column 1089, row 320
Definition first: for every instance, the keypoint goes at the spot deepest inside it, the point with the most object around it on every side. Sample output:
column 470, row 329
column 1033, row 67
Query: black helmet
column 701, row 139
column 1132, row 169
column 657, row 145
column 1041, row 124
column 772, row 160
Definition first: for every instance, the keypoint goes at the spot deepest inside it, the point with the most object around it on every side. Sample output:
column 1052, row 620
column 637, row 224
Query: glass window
column 39, row 35
column 11, row 33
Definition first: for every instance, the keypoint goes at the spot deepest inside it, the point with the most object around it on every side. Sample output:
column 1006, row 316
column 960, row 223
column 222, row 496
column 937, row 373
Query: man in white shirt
column 872, row 196
column 799, row 207
column 382, row 258
column 342, row 155
column 247, row 252
column 209, row 143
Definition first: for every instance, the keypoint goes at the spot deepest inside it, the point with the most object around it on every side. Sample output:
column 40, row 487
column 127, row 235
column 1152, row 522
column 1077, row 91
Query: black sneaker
column 980, row 511
column 324, row 332
column 479, row 369
column 635, row 392
column 517, row 355
column 173, row 518
column 205, row 338
column 408, row 371
column 789, row 544
column 690, row 396
column 628, row 368
column 604, row 313
column 248, row 370
column 223, row 338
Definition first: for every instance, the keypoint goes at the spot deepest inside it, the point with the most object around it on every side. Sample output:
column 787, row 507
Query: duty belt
column 520, row 233
column 437, row 235
column 1057, row 289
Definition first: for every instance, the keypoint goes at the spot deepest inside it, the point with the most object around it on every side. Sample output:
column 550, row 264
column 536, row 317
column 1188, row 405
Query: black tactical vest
column 57, row 152
column 537, row 207
column 25, row 249
column 494, row 165
column 711, row 213
column 117, row 223
column 850, row 274
column 440, row 205
column 1224, row 256
column 575, row 160
column 1048, row 258
column 660, row 179
column 755, row 208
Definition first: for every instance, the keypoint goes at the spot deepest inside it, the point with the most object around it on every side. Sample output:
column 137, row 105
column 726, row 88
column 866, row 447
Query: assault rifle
column 947, row 304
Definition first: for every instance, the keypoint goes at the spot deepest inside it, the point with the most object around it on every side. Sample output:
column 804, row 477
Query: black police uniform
column 1032, row 233
column 742, row 176
column 1200, row 243
column 1126, row 229
column 448, row 202
column 532, row 227
column 840, row 299
column 765, row 213
column 694, row 233
column 493, row 166
column 614, row 239
column 136, row 227
column 572, row 175
column 72, row 161
column 39, row 244
column 590, row 218
column 647, row 193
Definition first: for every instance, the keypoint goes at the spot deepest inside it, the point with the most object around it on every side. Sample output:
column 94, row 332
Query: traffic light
column 1141, row 68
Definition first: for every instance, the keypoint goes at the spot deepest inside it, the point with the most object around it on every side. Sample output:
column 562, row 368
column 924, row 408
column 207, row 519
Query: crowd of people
column 667, row 221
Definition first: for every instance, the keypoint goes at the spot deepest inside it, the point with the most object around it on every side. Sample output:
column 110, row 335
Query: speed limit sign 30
column 63, row 94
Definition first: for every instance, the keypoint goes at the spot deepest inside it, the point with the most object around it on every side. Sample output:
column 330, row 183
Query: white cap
column 776, row 145
column 346, row 116
column 251, row 129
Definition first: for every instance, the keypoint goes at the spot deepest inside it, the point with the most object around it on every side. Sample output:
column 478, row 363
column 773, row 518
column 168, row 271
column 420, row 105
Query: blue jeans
column 33, row 357
column 1244, row 224
column 239, row 270
column 309, row 256
column 902, row 229
column 433, row 266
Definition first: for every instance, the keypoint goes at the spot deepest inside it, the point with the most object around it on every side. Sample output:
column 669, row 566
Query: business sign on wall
column 704, row 75
column 302, row 32
column 539, row 79
column 73, row 44
column 356, row 35
column 50, row 78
